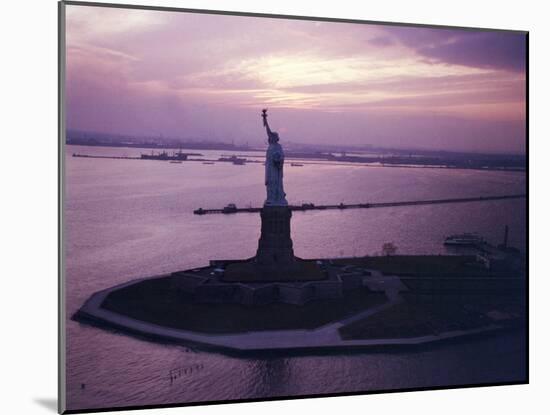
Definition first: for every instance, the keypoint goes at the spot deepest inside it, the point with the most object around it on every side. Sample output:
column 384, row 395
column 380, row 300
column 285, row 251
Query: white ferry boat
column 464, row 239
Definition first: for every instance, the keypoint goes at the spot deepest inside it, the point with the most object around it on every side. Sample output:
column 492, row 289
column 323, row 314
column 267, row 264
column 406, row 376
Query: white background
column 28, row 204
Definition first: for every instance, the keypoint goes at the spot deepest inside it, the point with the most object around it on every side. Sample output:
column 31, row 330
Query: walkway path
column 326, row 336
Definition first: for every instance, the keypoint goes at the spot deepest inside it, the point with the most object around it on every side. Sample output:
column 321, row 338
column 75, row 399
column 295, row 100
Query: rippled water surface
column 130, row 218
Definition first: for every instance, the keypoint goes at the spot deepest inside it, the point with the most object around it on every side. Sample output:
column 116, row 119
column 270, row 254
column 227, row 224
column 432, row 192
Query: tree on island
column 389, row 248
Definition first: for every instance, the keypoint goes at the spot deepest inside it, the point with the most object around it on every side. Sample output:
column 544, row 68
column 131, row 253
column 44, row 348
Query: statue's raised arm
column 270, row 134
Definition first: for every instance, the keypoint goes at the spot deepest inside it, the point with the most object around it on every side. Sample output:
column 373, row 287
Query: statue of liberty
column 274, row 160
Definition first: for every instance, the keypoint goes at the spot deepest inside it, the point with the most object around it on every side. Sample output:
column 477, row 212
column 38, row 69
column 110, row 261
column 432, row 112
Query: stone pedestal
column 274, row 260
column 275, row 253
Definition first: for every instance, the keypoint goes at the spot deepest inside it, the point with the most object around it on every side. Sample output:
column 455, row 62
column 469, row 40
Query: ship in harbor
column 164, row 155
column 238, row 161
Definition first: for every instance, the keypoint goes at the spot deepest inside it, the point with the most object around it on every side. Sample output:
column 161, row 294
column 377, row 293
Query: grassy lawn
column 414, row 320
column 155, row 301
column 418, row 264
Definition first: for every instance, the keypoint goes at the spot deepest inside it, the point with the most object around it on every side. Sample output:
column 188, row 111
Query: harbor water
column 126, row 219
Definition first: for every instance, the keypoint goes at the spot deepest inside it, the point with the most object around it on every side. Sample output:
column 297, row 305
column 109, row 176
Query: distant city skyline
column 152, row 73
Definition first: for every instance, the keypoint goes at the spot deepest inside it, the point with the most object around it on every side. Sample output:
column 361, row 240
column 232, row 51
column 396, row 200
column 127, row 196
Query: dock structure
column 310, row 206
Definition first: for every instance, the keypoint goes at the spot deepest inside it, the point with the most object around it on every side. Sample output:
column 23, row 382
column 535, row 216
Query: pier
column 229, row 209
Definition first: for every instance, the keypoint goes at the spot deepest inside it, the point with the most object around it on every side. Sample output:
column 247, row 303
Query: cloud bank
column 203, row 76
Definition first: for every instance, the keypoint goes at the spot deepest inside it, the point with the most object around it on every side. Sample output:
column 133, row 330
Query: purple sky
column 208, row 76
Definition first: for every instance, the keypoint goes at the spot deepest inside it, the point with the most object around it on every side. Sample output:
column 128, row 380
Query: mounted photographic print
column 257, row 207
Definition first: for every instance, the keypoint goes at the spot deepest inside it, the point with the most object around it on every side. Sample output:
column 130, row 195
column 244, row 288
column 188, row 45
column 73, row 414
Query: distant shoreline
column 319, row 158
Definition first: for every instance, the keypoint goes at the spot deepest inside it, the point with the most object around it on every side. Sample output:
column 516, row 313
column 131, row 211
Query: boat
column 230, row 208
column 178, row 156
column 296, row 164
column 175, row 162
column 233, row 159
column 464, row 239
column 153, row 156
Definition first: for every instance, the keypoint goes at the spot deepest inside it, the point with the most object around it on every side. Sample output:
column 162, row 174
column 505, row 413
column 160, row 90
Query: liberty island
column 277, row 301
